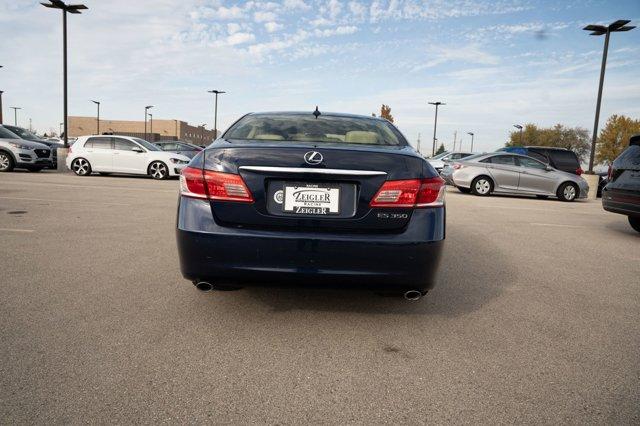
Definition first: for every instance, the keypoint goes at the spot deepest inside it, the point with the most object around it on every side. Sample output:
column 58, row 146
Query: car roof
column 551, row 148
column 328, row 114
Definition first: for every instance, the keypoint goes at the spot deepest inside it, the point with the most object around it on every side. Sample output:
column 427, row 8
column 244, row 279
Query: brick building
column 162, row 129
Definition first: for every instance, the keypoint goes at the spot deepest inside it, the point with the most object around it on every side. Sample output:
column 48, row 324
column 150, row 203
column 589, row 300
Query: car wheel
column 635, row 223
column 482, row 185
column 6, row 162
column 463, row 190
column 158, row 170
column 81, row 167
column 568, row 191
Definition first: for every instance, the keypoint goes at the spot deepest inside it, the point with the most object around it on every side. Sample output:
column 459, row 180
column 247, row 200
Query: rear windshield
column 327, row 129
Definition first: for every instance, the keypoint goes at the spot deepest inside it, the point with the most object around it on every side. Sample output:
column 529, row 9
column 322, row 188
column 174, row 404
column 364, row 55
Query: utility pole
column 435, row 126
column 418, row 143
column 455, row 136
column 146, row 110
column 519, row 127
column 472, row 134
column 15, row 115
column 75, row 9
column 215, row 114
column 151, row 126
column 97, row 118
column 598, row 30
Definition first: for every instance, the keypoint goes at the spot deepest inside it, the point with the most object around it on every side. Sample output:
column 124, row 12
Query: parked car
column 123, row 154
column 22, row 154
column 29, row 136
column 311, row 199
column 179, row 147
column 439, row 161
column 622, row 193
column 558, row 158
column 501, row 172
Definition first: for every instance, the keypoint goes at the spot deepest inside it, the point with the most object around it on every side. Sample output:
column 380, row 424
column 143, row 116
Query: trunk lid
column 342, row 184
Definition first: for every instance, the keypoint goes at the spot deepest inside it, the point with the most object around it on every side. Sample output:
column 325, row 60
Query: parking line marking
column 63, row 201
column 557, row 225
column 17, row 230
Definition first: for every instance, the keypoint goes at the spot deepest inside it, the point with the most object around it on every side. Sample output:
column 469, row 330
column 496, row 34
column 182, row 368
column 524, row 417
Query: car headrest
column 268, row 137
column 358, row 136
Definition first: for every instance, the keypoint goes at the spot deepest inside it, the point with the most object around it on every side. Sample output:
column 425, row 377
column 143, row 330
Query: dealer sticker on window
column 312, row 199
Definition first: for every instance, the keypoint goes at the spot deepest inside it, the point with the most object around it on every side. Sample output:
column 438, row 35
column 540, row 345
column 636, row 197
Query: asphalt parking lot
column 535, row 318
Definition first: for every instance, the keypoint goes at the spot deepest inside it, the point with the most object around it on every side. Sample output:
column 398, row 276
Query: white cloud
column 273, row 27
column 261, row 16
column 226, row 13
column 341, row 30
column 296, row 4
column 464, row 54
column 233, row 27
column 240, row 38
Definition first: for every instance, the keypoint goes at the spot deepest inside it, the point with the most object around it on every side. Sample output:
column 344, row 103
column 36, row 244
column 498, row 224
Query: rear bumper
column 622, row 202
column 407, row 260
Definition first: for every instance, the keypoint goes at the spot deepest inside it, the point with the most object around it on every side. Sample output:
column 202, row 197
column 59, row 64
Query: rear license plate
column 312, row 199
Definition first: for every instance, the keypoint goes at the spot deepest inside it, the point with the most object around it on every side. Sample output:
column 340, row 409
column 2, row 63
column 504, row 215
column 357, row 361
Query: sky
column 494, row 63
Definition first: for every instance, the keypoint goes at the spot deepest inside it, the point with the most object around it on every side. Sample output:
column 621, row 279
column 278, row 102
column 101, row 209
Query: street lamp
column 1, row 92
column 97, row 118
column 435, row 125
column 75, row 9
column 598, row 30
column 472, row 134
column 146, row 109
column 151, row 125
column 215, row 116
column 15, row 115
column 519, row 127
column 60, row 125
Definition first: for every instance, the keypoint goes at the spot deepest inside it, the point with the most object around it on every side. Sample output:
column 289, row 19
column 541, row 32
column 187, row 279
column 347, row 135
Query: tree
column 575, row 139
column 385, row 112
column 614, row 138
column 440, row 149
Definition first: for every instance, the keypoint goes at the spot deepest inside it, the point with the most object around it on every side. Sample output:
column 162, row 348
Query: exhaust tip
column 413, row 295
column 204, row 286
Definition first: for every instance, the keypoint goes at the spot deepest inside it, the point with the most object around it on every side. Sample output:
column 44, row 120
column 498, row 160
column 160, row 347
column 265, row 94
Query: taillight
column 410, row 193
column 579, row 171
column 207, row 184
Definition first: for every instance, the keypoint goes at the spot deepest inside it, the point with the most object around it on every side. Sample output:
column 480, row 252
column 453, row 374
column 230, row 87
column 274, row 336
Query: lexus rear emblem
column 313, row 157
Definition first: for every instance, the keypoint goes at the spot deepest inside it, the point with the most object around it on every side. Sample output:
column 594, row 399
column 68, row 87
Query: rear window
column 563, row 158
column 98, row 143
column 327, row 129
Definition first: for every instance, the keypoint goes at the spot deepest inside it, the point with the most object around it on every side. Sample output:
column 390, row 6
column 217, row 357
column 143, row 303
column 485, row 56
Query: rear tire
column 81, row 167
column 6, row 162
column 482, row 185
column 158, row 170
column 568, row 192
column 635, row 223
column 463, row 190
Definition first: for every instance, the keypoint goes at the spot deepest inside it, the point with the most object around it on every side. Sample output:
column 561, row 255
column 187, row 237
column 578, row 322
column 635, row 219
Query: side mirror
column 137, row 149
column 548, row 168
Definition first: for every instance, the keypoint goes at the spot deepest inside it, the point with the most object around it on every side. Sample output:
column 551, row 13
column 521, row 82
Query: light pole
column 435, row 125
column 15, row 115
column 146, row 109
column 1, row 92
column 151, row 125
column 519, row 127
column 61, row 124
column 215, row 115
column 598, row 30
column 97, row 118
column 472, row 134
column 30, row 126
column 75, row 9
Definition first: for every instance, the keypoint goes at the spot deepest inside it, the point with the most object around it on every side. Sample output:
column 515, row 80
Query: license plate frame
column 311, row 199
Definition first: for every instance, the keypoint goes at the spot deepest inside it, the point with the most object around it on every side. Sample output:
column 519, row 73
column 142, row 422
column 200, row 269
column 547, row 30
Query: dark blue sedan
column 311, row 199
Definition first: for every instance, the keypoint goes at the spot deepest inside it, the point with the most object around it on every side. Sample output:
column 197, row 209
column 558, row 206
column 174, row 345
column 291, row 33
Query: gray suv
column 19, row 153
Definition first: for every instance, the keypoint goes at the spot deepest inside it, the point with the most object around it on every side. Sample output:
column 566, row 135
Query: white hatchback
column 106, row 154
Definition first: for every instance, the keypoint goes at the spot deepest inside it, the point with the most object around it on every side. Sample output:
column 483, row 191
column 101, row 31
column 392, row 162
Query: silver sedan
column 498, row 172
